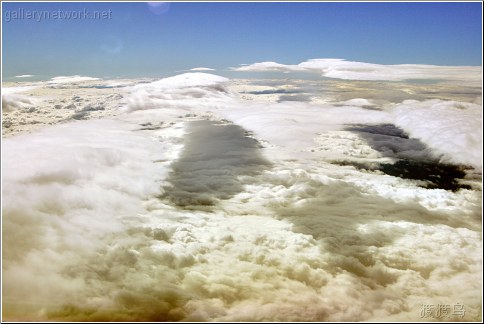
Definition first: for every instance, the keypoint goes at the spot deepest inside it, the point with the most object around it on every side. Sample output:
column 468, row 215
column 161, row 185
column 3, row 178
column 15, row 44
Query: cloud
column 359, row 102
column 12, row 99
column 184, row 90
column 12, row 90
column 349, row 70
column 268, row 66
column 202, row 69
column 24, row 76
column 187, row 80
column 71, row 79
column 453, row 129
column 63, row 205
column 106, row 219
column 294, row 126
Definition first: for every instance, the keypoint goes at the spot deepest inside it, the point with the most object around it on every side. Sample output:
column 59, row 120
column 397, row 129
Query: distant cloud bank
column 350, row 70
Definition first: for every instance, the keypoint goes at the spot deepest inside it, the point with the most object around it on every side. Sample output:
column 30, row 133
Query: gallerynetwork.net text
column 39, row 15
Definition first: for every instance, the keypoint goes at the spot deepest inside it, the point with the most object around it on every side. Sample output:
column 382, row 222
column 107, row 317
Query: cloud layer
column 349, row 70
column 194, row 204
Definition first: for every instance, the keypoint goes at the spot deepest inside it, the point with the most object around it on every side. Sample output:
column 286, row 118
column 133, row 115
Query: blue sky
column 138, row 42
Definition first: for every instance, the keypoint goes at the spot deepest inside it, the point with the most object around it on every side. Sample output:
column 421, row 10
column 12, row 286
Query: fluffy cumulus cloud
column 349, row 70
column 181, row 91
column 193, row 204
column 68, row 187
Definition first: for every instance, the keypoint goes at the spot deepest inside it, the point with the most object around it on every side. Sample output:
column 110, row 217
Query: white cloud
column 202, row 69
column 268, row 66
column 87, row 177
column 184, row 90
column 24, row 76
column 71, row 79
column 359, row 102
column 349, row 70
column 451, row 128
column 294, row 126
column 189, row 80
column 12, row 90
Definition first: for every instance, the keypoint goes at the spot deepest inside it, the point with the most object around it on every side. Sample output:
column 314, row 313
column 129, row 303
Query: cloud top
column 202, row 69
column 71, row 79
column 189, row 80
column 183, row 90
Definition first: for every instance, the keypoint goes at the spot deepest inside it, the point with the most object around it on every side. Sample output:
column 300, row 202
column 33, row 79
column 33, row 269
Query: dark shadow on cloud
column 84, row 112
column 274, row 91
column 102, row 87
column 371, row 108
column 437, row 175
column 414, row 159
column 214, row 156
column 392, row 141
column 380, row 129
column 298, row 98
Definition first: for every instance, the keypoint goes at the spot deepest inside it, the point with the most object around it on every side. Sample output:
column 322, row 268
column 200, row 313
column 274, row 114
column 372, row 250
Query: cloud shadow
column 214, row 156
column 414, row 160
